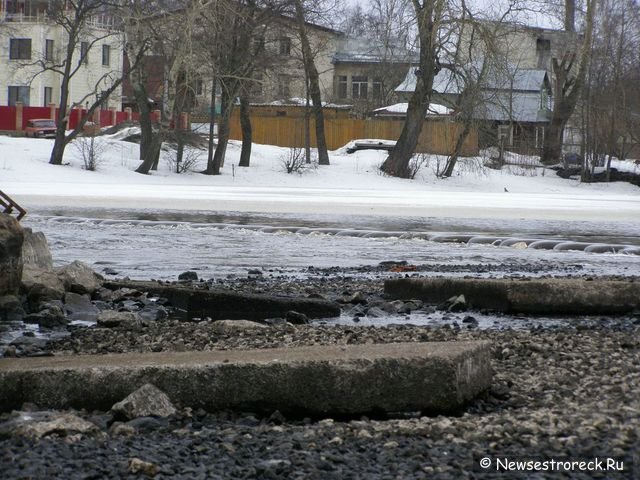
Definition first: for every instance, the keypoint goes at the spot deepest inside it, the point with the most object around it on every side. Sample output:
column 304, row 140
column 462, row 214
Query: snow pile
column 352, row 184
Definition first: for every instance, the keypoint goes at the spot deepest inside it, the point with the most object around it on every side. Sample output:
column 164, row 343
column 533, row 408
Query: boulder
column 78, row 277
column 50, row 317
column 188, row 276
column 11, row 239
column 35, row 250
column 147, row 401
column 36, row 425
column 10, row 309
column 113, row 319
column 79, row 307
column 41, row 285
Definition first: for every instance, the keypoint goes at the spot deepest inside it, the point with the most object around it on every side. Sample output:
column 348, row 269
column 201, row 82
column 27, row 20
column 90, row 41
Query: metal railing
column 9, row 205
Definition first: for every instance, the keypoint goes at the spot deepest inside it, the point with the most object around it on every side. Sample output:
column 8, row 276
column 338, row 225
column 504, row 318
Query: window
column 199, row 87
column 18, row 94
column 342, row 86
column 48, row 96
column 543, row 45
column 48, row 50
column 106, row 55
column 20, row 49
column 84, row 52
column 359, row 86
column 285, row 46
column 377, row 89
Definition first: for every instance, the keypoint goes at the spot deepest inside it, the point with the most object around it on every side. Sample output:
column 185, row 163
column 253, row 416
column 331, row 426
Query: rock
column 147, row 401
column 230, row 327
column 41, row 286
column 51, row 317
column 153, row 312
column 10, row 309
column 358, row 298
column 255, row 274
column 78, row 277
column 36, row 425
column 122, row 429
column 11, row 239
column 188, row 276
column 79, row 307
column 454, row 304
column 376, row 312
column 113, row 319
column 296, row 318
column 140, row 466
column 35, row 251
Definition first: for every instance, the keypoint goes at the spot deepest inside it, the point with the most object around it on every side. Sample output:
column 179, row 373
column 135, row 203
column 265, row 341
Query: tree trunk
column 247, row 132
column 226, row 108
column 148, row 140
column 567, row 92
column 453, row 159
column 428, row 18
column 212, row 119
column 314, row 85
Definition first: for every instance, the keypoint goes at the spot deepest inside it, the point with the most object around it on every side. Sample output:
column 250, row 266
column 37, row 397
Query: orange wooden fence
column 437, row 136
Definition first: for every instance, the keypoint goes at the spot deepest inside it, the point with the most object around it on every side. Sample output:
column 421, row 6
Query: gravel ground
column 564, row 393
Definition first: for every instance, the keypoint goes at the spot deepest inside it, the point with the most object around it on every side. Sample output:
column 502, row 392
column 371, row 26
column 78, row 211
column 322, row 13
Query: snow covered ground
column 351, row 185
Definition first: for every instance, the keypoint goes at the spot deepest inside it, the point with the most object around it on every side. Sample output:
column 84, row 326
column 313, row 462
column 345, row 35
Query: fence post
column 156, row 115
column 19, row 113
column 129, row 113
column 96, row 117
column 114, row 117
column 184, row 121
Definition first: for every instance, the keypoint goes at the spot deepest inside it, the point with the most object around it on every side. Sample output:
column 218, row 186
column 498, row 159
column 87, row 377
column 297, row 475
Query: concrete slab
column 543, row 296
column 227, row 305
column 317, row 380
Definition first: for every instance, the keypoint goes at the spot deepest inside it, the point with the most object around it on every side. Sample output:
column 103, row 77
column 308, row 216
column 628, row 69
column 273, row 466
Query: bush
column 91, row 150
column 294, row 161
column 188, row 162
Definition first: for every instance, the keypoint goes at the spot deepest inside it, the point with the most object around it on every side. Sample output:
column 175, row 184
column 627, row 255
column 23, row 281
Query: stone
column 296, row 318
column 51, row 317
column 356, row 298
column 79, row 277
column 457, row 303
column 231, row 327
column 147, row 401
column 137, row 466
column 36, row 425
column 152, row 312
column 328, row 380
column 10, row 309
column 41, row 286
column 35, row 251
column 188, row 276
column 11, row 239
column 79, row 307
column 113, row 319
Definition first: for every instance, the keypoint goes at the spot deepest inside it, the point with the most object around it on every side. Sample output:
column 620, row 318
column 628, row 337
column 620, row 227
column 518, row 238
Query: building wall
column 84, row 82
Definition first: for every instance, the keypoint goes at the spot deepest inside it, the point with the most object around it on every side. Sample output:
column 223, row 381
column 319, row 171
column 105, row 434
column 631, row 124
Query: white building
column 31, row 40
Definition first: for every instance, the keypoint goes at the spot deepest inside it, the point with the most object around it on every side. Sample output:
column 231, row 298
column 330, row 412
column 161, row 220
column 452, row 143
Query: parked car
column 40, row 127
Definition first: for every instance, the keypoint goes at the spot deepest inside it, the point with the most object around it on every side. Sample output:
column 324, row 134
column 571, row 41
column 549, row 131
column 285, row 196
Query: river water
column 145, row 244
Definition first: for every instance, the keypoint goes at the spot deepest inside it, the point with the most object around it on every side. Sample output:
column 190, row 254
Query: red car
column 40, row 127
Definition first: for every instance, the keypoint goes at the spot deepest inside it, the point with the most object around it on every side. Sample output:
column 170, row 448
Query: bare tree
column 313, row 82
column 429, row 16
column 569, row 80
column 78, row 20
